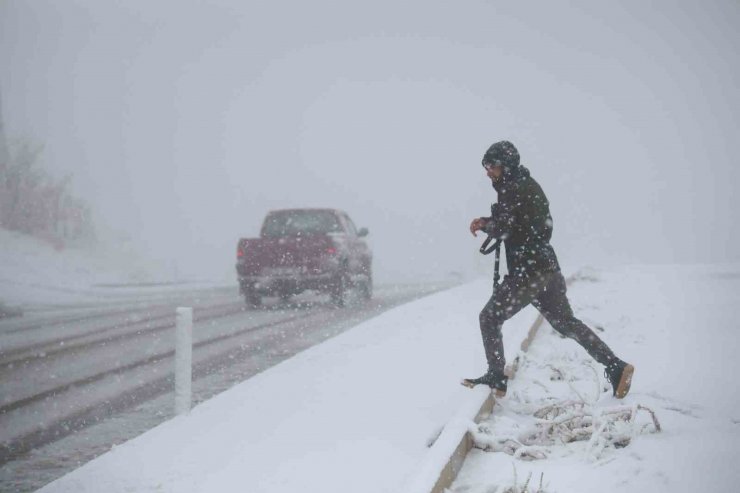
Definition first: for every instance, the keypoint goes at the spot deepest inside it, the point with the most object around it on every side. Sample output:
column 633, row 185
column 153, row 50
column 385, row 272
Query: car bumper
column 287, row 284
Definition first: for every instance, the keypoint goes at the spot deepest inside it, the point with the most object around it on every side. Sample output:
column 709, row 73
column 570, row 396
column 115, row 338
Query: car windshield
column 295, row 223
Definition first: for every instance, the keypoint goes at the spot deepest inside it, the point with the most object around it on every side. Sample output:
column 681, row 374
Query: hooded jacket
column 521, row 218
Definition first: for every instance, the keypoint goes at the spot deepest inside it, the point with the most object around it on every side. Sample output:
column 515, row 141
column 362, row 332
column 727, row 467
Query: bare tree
column 33, row 202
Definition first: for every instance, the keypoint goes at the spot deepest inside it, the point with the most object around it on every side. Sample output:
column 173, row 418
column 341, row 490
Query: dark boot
column 619, row 374
column 496, row 380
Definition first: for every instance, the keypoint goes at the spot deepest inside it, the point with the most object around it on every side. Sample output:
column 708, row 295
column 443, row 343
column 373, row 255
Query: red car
column 302, row 249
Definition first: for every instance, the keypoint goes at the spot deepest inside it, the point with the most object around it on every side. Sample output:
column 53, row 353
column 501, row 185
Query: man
column 521, row 218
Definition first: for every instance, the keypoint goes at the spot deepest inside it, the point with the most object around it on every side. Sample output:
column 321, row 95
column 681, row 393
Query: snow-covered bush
column 572, row 421
column 526, row 487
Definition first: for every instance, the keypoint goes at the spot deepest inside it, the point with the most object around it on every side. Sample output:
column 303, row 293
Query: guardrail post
column 183, row 360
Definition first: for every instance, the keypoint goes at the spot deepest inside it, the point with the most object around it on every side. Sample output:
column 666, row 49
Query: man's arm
column 498, row 225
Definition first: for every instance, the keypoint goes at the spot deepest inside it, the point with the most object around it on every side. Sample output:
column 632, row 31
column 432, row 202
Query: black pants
column 547, row 292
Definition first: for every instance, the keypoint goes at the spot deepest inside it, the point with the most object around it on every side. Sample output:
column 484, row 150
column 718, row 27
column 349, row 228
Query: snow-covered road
column 63, row 373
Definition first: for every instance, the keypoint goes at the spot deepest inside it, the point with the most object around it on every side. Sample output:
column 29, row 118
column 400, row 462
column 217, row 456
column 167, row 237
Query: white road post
column 183, row 360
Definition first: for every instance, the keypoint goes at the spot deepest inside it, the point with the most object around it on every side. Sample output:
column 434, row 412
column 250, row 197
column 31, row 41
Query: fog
column 184, row 122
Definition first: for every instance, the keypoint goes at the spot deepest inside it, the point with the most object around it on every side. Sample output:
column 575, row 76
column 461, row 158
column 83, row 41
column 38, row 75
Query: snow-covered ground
column 34, row 274
column 357, row 412
column 678, row 326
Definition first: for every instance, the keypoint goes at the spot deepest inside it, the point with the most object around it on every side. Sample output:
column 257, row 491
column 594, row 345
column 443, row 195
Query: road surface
column 77, row 381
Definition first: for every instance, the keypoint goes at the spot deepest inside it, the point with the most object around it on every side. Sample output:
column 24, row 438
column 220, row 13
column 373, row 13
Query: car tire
column 339, row 290
column 252, row 298
column 366, row 289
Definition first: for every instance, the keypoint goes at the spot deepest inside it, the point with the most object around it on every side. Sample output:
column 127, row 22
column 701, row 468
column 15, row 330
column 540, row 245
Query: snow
column 36, row 275
column 352, row 414
column 677, row 326
column 357, row 412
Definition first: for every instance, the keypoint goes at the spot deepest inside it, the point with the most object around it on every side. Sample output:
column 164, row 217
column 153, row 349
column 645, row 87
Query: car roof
column 307, row 209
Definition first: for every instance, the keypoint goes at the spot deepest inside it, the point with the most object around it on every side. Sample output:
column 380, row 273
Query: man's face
column 494, row 172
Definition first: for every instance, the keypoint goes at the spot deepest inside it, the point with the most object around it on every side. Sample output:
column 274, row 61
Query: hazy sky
column 184, row 122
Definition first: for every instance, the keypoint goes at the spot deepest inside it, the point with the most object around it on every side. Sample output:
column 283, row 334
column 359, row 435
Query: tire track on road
column 92, row 414
column 57, row 347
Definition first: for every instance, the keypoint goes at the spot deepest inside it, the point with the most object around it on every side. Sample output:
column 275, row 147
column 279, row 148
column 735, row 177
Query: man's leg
column 553, row 303
column 512, row 295
column 554, row 306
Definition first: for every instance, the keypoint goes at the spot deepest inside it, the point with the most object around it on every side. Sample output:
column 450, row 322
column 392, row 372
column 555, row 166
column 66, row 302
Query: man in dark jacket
column 521, row 218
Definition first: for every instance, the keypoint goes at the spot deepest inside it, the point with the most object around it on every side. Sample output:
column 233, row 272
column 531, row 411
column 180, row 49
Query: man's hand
column 477, row 225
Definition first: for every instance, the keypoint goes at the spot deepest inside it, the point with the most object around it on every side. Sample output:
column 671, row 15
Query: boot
column 619, row 374
column 496, row 380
